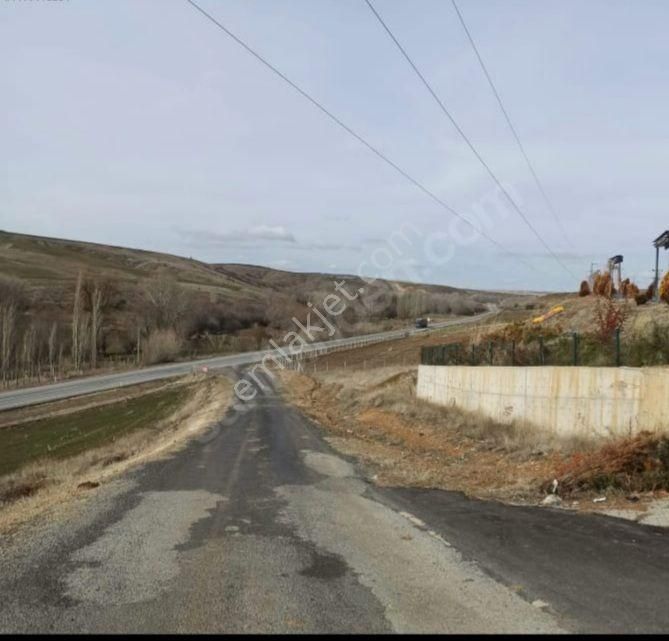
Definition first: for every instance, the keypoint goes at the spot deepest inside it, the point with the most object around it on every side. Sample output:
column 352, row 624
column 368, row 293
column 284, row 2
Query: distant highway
column 91, row 384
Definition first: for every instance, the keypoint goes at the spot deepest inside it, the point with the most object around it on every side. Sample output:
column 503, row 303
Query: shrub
column 628, row 289
column 649, row 348
column 161, row 346
column 584, row 290
column 609, row 317
column 603, row 285
column 637, row 464
column 664, row 288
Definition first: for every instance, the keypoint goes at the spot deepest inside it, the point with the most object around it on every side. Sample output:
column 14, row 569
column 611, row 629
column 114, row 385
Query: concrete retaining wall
column 566, row 400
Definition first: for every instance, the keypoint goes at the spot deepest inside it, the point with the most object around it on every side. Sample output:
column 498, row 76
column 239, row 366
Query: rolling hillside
column 49, row 268
column 153, row 307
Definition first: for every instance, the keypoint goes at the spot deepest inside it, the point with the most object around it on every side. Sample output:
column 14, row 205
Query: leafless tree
column 52, row 349
column 96, row 321
column 76, row 324
column 166, row 303
column 8, row 322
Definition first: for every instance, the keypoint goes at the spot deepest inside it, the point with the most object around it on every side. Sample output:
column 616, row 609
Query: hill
column 149, row 306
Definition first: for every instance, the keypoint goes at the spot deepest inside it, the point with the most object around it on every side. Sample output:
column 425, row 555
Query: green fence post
column 513, row 352
column 490, row 352
column 575, row 338
column 617, row 346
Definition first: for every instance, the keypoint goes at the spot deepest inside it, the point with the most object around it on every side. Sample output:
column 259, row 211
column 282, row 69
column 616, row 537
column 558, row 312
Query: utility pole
column 661, row 241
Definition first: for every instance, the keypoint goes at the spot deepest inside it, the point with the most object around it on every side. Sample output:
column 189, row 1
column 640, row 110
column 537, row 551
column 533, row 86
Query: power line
column 547, row 200
column 465, row 138
column 353, row 133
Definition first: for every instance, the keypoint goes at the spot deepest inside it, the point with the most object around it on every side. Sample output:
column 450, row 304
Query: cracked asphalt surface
column 259, row 526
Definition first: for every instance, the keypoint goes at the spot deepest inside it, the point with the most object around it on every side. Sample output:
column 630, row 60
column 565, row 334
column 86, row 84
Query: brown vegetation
column 161, row 346
column 376, row 416
column 603, row 285
column 628, row 289
column 69, row 308
column 584, row 289
column 664, row 288
column 638, row 464
column 609, row 318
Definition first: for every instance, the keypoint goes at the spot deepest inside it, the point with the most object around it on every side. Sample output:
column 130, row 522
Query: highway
column 91, row 384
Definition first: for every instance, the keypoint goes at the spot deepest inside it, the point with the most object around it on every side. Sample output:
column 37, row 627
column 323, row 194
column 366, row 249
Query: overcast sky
column 139, row 123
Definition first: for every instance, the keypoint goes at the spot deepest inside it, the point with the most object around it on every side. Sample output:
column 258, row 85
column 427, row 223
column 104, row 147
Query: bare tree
column 8, row 322
column 52, row 349
column 166, row 303
column 96, row 321
column 28, row 352
column 76, row 322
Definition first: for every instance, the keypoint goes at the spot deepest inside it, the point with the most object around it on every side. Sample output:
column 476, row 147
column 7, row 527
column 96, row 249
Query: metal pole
column 618, row 347
column 575, row 337
column 656, row 289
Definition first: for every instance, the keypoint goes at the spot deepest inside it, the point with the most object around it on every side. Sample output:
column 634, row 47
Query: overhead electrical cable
column 464, row 136
column 356, row 135
column 530, row 166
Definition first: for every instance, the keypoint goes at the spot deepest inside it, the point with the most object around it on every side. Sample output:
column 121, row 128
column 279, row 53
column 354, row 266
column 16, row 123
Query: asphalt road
column 258, row 526
column 76, row 387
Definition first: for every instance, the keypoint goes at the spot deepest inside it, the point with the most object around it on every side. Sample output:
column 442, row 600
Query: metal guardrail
column 93, row 384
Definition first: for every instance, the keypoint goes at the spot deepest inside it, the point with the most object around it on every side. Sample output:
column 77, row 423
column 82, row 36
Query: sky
column 140, row 123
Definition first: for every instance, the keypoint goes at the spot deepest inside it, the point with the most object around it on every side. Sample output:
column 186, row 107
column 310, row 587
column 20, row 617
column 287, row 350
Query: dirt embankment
column 375, row 416
column 91, row 449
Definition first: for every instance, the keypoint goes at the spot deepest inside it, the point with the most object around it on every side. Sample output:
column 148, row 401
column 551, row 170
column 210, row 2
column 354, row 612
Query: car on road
column 421, row 323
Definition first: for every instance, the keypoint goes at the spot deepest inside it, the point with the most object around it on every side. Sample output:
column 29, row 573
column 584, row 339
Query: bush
column 609, row 317
column 584, row 290
column 637, row 464
column 161, row 346
column 664, row 288
column 628, row 289
column 603, row 285
column 650, row 348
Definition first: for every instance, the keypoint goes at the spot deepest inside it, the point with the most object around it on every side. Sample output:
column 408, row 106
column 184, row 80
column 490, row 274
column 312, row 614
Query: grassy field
column 65, row 436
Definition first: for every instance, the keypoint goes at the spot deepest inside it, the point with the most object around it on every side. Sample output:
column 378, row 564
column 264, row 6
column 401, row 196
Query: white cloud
column 251, row 235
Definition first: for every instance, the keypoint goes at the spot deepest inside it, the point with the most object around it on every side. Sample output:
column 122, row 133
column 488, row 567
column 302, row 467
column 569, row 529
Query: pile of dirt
column 637, row 464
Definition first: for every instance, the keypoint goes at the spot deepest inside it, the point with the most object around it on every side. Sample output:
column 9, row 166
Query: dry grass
column 393, row 390
column 161, row 346
column 375, row 416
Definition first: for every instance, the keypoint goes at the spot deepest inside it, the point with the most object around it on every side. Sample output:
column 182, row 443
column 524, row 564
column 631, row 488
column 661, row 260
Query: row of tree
column 160, row 320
